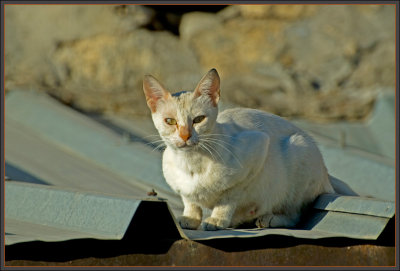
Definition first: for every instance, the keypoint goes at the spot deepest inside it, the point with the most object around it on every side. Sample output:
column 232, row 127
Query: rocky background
column 320, row 62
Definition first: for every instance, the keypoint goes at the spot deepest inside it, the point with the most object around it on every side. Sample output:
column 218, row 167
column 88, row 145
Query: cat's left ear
column 209, row 85
column 154, row 92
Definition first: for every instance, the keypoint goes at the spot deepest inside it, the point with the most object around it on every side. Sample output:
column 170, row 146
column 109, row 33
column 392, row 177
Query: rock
column 229, row 12
column 323, row 49
column 258, row 89
column 33, row 32
column 284, row 12
column 291, row 60
column 375, row 68
column 235, row 45
column 104, row 73
column 196, row 22
column 317, row 54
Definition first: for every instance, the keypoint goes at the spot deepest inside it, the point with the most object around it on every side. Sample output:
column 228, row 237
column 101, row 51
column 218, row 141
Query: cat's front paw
column 264, row 221
column 275, row 221
column 213, row 224
column 188, row 222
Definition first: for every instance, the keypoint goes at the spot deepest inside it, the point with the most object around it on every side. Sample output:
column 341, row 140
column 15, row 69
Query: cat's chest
column 191, row 175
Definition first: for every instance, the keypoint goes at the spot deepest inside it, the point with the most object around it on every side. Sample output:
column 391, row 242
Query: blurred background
column 319, row 62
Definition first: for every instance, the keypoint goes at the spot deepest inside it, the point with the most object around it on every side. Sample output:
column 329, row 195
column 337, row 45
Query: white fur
column 244, row 164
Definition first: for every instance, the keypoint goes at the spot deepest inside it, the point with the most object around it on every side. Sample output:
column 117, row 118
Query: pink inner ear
column 212, row 91
column 214, row 94
column 152, row 101
column 152, row 104
column 154, row 92
column 209, row 85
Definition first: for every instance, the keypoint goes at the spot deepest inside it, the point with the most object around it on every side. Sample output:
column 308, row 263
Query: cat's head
column 182, row 118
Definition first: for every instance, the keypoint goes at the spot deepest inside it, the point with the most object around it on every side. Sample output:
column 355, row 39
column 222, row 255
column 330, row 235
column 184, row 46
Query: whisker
column 204, row 147
column 209, row 146
column 212, row 151
column 205, row 135
column 155, row 141
column 152, row 136
column 159, row 147
column 219, row 143
column 157, row 144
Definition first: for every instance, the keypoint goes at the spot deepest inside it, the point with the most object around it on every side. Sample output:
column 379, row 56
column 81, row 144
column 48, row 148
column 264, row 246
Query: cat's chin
column 184, row 147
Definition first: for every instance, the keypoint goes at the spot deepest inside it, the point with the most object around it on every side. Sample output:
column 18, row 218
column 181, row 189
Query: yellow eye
column 170, row 121
column 198, row 119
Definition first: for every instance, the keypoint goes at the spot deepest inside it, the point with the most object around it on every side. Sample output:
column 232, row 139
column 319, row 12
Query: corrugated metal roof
column 356, row 205
column 77, row 152
column 77, row 134
column 362, row 154
column 47, row 213
column 375, row 135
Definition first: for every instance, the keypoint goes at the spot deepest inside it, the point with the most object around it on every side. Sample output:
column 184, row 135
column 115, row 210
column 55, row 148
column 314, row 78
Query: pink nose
column 184, row 133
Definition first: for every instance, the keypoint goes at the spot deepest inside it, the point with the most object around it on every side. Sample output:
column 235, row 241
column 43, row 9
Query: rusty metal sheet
column 227, row 253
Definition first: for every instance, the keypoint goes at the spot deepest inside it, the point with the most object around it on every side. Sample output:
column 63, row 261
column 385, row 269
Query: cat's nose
column 185, row 137
column 184, row 133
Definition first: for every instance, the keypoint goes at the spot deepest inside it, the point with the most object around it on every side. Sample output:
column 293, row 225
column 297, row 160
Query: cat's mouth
column 186, row 146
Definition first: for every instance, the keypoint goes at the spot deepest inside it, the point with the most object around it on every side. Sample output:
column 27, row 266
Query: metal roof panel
column 38, row 211
column 356, row 205
column 96, row 214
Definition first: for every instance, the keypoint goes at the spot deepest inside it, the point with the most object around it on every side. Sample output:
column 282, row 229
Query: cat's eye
column 198, row 119
column 170, row 121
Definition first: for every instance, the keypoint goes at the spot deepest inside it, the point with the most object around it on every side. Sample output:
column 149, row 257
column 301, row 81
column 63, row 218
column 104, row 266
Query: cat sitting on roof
column 245, row 165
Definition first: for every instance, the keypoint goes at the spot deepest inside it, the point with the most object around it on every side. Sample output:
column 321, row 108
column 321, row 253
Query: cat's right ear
column 154, row 92
column 209, row 85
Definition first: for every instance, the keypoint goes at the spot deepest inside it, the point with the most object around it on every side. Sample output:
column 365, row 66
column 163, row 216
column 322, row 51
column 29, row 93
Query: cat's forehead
column 182, row 95
column 185, row 102
column 183, row 98
column 179, row 93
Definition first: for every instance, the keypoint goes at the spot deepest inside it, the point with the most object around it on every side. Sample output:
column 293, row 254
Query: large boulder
column 104, row 73
column 34, row 32
column 93, row 57
column 284, row 12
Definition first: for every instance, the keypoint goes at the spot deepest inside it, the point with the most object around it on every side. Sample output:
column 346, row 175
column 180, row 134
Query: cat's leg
column 253, row 153
column 191, row 217
column 220, row 218
column 275, row 221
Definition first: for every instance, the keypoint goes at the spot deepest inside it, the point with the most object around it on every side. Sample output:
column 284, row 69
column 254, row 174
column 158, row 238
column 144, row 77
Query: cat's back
column 241, row 119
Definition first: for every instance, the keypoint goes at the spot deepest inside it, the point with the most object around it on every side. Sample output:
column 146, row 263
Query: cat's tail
column 341, row 187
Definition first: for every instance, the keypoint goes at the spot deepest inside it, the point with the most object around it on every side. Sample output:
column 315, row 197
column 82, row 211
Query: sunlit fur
column 245, row 165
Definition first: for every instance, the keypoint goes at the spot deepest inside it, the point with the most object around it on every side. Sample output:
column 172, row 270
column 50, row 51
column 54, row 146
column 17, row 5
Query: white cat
column 243, row 164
